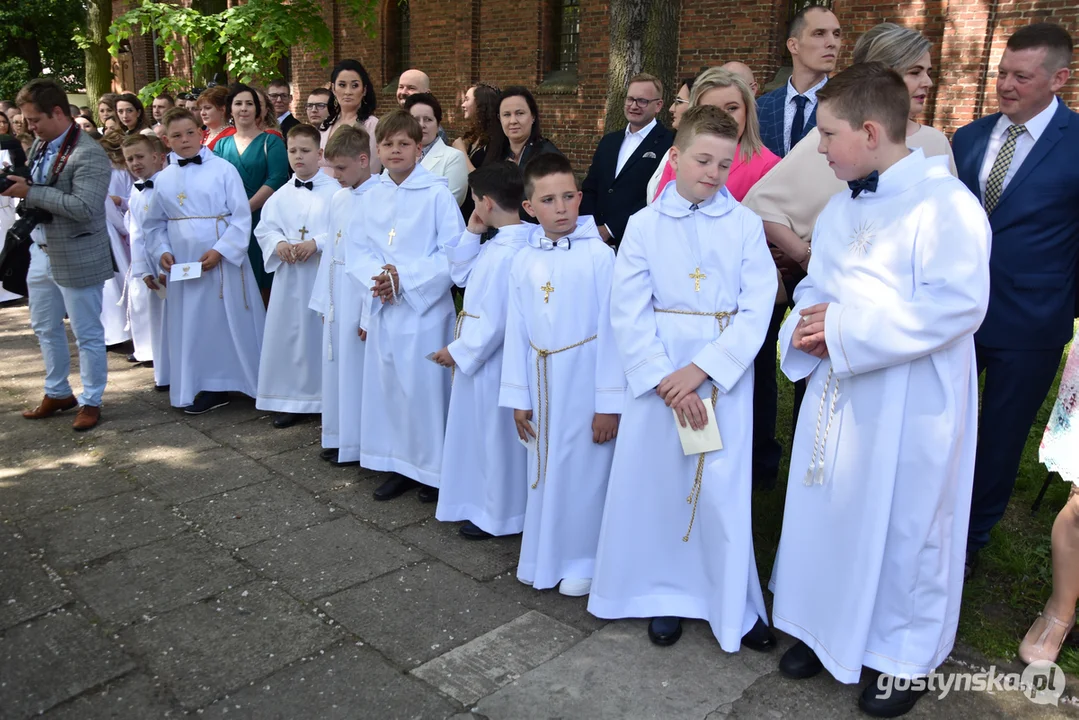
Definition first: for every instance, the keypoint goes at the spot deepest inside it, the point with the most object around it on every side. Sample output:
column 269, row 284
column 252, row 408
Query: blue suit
column 770, row 112
column 1034, row 291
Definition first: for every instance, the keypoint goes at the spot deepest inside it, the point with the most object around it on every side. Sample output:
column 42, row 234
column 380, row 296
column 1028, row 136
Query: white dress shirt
column 281, row 118
column 1023, row 144
column 791, row 108
column 631, row 142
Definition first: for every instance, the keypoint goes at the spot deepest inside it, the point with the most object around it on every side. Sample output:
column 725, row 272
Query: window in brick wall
column 397, row 30
column 569, row 27
column 562, row 20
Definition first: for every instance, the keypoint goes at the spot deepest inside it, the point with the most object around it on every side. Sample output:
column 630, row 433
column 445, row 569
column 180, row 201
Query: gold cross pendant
column 393, row 234
column 547, row 290
column 697, row 276
column 338, row 240
column 181, row 197
column 303, row 233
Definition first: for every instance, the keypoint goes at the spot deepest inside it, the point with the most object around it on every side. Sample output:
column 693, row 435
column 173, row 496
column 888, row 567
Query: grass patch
column 1015, row 575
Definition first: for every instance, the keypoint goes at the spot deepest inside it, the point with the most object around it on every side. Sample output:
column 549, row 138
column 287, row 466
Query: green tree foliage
column 36, row 39
column 248, row 41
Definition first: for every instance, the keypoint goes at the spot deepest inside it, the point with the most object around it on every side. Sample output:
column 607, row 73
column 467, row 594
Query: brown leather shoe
column 87, row 418
column 49, row 407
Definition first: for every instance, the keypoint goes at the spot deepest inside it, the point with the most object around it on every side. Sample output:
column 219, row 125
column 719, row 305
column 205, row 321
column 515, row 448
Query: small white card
column 185, row 271
column 530, row 444
column 431, row 356
column 161, row 290
column 707, row 439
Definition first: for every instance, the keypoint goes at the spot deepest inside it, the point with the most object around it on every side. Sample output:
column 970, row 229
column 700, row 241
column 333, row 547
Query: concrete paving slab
column 618, row 673
column 258, row 439
column 395, row 514
column 329, row 557
column 208, row 649
column 482, row 666
column 572, row 611
column 40, row 444
column 303, row 467
column 240, row 409
column 242, row 517
column 37, row 492
column 26, row 590
column 341, row 683
column 175, row 442
column 53, row 658
column 420, row 612
column 132, row 415
column 133, row 696
column 159, row 577
column 98, row 528
column 208, row 473
column 482, row 560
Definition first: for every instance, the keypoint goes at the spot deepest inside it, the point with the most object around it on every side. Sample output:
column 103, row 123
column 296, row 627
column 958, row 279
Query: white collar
column 281, row 118
column 643, row 132
column 811, row 93
column 1035, row 126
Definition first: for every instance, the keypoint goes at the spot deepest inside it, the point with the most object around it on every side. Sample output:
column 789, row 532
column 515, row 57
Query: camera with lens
column 29, row 218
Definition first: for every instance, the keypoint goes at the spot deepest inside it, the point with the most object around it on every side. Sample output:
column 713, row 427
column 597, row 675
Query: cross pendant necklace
column 697, row 276
column 181, row 197
column 303, row 233
column 547, row 290
column 392, row 235
column 337, row 241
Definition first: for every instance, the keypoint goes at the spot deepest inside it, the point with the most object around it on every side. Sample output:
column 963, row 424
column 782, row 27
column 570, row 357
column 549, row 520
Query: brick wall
column 504, row 42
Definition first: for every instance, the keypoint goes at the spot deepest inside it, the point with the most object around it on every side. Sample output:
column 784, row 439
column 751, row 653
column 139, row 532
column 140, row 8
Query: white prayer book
column 707, row 439
column 160, row 290
column 530, row 444
column 185, row 271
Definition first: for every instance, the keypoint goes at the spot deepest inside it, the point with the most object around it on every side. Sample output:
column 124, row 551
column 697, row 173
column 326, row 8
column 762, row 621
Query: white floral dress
column 1060, row 444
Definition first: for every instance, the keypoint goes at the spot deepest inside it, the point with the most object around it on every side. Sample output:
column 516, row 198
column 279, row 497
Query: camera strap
column 66, row 148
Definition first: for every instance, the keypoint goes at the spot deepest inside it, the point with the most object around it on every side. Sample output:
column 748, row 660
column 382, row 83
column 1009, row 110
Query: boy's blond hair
column 348, row 141
column 705, row 120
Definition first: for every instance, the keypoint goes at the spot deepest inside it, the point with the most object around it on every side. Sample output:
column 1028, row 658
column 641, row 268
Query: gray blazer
column 78, row 243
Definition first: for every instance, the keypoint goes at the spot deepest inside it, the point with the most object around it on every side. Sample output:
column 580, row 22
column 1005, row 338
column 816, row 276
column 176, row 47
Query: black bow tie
column 149, row 184
column 866, row 184
column 197, row 160
column 310, row 184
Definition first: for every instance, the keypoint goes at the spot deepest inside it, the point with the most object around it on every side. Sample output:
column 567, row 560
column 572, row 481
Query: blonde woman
column 752, row 161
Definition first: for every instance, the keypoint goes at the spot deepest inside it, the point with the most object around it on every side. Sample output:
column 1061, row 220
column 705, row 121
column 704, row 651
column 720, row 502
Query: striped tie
column 994, row 184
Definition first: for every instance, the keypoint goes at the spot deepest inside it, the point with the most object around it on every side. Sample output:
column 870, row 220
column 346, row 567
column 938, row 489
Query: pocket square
column 650, row 154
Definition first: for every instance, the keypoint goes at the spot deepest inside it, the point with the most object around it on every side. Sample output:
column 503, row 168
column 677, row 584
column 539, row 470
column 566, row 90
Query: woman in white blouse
column 438, row 157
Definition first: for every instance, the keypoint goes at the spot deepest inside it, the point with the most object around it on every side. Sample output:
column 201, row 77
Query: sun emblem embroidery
column 862, row 239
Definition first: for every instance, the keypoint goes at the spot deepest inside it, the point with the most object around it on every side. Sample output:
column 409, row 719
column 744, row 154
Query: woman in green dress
column 262, row 161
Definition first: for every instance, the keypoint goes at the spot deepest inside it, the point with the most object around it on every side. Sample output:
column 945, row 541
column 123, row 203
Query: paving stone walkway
column 165, row 565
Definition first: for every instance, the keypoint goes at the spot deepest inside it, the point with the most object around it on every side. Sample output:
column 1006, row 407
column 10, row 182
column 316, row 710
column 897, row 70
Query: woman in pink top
column 728, row 91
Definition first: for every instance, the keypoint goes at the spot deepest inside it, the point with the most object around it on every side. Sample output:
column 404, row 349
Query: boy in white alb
column 199, row 218
column 869, row 570
column 295, row 220
column 483, row 464
column 562, row 376
column 694, row 287
column 398, row 252
column 145, row 157
column 341, row 300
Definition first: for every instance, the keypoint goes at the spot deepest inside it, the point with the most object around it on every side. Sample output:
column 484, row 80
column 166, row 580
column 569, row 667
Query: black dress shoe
column 207, row 401
column 285, row 420
column 971, row 564
column 396, row 486
column 759, row 637
column 329, row 454
column 800, row 662
column 664, row 631
column 472, row 531
column 161, row 388
column 873, row 700
column 428, row 494
column 132, row 359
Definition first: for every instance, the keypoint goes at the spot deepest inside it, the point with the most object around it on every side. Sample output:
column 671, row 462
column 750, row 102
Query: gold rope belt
column 542, row 404
column 457, row 334
column 217, row 230
column 815, row 473
column 330, row 314
column 724, row 320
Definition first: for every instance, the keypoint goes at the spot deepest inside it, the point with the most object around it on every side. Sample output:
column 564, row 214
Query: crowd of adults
column 777, row 172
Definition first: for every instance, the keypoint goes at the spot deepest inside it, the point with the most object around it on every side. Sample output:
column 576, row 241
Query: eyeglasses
column 640, row 102
column 277, row 96
column 317, row 106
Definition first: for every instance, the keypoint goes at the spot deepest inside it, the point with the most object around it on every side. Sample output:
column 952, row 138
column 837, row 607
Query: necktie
column 149, row 184
column 197, row 160
column 561, row 244
column 799, row 125
column 310, row 184
column 866, row 184
column 994, row 184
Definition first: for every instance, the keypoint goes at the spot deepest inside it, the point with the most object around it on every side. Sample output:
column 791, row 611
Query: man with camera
column 63, row 214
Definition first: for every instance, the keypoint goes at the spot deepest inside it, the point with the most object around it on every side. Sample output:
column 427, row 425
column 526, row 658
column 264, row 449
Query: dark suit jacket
column 611, row 200
column 1034, row 263
column 770, row 111
column 288, row 123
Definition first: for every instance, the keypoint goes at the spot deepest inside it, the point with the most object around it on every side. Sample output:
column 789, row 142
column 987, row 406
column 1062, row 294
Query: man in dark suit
column 71, row 258
column 617, row 181
column 1021, row 162
column 280, row 95
column 787, row 113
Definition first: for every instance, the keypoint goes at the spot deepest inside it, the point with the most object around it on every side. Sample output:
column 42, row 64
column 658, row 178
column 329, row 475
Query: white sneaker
column 575, row 588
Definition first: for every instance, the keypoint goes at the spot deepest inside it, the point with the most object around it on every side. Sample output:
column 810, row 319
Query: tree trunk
column 644, row 38
column 28, row 49
column 211, row 7
column 98, row 60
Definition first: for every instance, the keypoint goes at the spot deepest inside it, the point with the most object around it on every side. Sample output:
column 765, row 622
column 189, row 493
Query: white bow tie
column 548, row 244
